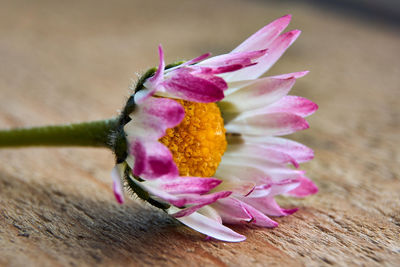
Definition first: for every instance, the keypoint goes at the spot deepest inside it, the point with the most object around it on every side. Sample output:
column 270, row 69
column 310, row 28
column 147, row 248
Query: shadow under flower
column 80, row 229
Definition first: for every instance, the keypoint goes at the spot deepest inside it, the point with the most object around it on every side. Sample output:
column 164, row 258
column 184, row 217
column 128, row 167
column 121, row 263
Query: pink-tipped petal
column 232, row 211
column 263, row 37
column 211, row 213
column 268, row 206
column 254, row 170
column 200, row 199
column 152, row 160
column 211, row 228
column 283, row 186
column 153, row 83
column 181, row 200
column 233, row 173
column 195, row 60
column 249, row 123
column 153, row 117
column 213, row 198
column 258, row 151
column 224, row 69
column 185, row 85
column 158, row 76
column 242, row 58
column 117, row 185
column 275, row 51
column 260, row 191
column 258, row 94
column 306, row 188
column 295, row 75
column 294, row 104
column 258, row 218
column 236, row 186
column 189, row 185
column 298, row 151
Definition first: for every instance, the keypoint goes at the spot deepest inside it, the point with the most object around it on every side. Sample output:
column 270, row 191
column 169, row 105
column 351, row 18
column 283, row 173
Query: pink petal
column 153, row 117
column 257, row 94
column 163, row 110
column 211, row 228
column 263, row 37
column 152, row 160
column 217, row 81
column 188, row 86
column 306, row 188
column 249, row 123
column 294, row 104
column 117, row 185
column 189, row 185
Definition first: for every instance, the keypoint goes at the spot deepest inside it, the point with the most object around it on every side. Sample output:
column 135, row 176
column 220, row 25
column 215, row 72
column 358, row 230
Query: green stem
column 93, row 134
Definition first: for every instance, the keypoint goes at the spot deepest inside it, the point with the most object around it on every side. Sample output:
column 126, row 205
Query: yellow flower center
column 198, row 142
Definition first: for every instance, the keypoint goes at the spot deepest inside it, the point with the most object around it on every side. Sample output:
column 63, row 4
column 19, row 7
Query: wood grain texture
column 74, row 60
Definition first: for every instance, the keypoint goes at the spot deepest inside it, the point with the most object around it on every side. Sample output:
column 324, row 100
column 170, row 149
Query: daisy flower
column 202, row 137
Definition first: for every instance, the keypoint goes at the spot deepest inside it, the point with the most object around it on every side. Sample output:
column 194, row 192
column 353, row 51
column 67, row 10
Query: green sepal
column 140, row 192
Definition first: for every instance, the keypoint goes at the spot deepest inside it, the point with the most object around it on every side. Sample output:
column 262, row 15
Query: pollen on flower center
column 198, row 142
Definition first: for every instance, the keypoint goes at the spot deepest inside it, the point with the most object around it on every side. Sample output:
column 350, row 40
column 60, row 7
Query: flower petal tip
column 274, row 224
column 289, row 211
column 117, row 185
column 288, row 16
column 119, row 197
column 306, row 188
column 295, row 163
column 211, row 228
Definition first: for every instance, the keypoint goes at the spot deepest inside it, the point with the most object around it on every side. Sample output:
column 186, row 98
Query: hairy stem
column 92, row 134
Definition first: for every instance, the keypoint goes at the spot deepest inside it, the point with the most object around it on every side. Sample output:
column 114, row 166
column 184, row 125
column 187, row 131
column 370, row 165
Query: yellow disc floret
column 198, row 142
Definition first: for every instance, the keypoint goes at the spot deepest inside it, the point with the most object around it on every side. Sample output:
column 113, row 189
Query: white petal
column 248, row 169
column 210, row 213
column 117, row 184
column 298, row 151
column 256, row 94
column 211, row 228
column 259, row 151
column 270, row 124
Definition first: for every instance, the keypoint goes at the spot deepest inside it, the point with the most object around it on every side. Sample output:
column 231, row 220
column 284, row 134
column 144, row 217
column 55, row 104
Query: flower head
column 202, row 137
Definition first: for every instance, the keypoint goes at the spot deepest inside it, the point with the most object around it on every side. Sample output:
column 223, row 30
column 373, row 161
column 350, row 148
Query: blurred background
column 64, row 61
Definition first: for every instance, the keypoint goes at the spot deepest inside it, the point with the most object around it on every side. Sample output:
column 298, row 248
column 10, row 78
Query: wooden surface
column 73, row 61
